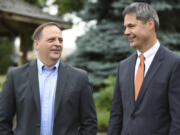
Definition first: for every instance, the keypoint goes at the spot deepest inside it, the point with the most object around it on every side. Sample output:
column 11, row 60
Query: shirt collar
column 151, row 51
column 41, row 66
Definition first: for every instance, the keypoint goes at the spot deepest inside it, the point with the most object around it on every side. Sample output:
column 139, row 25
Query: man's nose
column 126, row 31
column 58, row 43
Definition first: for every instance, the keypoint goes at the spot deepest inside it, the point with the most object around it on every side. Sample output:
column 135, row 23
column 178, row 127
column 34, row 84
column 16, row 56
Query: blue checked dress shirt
column 47, row 86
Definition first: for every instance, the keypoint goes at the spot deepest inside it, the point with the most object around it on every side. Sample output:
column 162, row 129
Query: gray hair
column 38, row 31
column 143, row 12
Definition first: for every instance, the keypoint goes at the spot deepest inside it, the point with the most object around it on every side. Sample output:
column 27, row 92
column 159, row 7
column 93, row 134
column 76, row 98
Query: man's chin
column 55, row 55
column 55, row 58
column 133, row 45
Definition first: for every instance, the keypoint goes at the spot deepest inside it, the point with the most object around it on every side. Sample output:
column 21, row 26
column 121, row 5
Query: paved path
column 101, row 133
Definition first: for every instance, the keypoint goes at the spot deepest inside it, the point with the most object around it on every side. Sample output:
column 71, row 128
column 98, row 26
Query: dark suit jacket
column 157, row 108
column 74, row 106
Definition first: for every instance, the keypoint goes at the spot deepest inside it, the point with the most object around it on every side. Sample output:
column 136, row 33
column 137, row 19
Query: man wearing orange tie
column 147, row 91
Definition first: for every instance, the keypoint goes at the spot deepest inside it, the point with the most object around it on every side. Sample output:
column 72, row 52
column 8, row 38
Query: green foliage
column 64, row 6
column 103, row 119
column 6, row 51
column 99, row 51
column 68, row 6
column 103, row 46
column 104, row 99
column 103, row 102
column 2, row 79
column 104, row 8
column 166, row 39
column 37, row 3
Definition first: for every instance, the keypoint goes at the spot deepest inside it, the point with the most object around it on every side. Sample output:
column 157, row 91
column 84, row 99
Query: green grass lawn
column 2, row 79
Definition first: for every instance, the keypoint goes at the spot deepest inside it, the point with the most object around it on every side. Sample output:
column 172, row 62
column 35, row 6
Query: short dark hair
column 143, row 12
column 38, row 31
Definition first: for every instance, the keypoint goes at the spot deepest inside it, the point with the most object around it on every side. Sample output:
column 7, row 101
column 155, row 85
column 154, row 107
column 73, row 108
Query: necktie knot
column 141, row 56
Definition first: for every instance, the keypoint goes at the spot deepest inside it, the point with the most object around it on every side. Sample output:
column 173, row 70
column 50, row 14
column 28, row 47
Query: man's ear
column 36, row 43
column 151, row 23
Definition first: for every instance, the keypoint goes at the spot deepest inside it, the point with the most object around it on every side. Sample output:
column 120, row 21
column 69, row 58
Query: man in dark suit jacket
column 47, row 96
column 154, row 109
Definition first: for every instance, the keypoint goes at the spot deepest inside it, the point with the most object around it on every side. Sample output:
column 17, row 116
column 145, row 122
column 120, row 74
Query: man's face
column 136, row 31
column 49, row 47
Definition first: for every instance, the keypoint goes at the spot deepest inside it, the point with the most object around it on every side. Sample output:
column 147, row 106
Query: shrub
column 6, row 51
column 103, row 119
column 2, row 79
column 103, row 101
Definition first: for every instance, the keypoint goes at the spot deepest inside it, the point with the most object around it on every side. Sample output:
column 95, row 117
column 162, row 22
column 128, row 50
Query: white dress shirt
column 148, row 58
column 47, row 86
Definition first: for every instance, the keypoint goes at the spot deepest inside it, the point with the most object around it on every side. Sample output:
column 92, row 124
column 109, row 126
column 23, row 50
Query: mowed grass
column 2, row 79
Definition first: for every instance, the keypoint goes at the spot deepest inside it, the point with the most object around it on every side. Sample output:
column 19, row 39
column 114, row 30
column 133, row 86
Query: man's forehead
column 50, row 32
column 130, row 19
column 130, row 16
column 51, row 27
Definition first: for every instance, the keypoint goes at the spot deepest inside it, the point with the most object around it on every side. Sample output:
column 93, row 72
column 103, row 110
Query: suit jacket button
column 132, row 116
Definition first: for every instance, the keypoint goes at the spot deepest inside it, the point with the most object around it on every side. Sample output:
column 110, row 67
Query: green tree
column 69, row 6
column 103, row 101
column 100, row 49
column 64, row 6
column 38, row 3
column 6, row 51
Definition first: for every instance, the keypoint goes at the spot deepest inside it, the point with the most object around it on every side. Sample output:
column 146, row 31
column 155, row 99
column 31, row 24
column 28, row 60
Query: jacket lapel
column 130, row 77
column 155, row 65
column 61, row 84
column 34, row 83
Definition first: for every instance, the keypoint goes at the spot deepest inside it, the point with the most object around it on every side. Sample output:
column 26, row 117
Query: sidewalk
column 101, row 133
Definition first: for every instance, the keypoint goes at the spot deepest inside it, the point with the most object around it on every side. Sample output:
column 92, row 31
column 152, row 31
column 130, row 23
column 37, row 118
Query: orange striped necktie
column 139, row 76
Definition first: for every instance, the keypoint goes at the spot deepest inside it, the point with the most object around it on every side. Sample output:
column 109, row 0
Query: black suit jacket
column 157, row 108
column 74, row 112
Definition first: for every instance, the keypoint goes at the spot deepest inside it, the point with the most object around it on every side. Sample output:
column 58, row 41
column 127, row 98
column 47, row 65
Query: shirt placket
column 45, row 105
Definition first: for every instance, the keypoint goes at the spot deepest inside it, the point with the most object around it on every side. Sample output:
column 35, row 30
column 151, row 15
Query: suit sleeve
column 116, row 115
column 7, row 107
column 88, row 118
column 174, row 100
